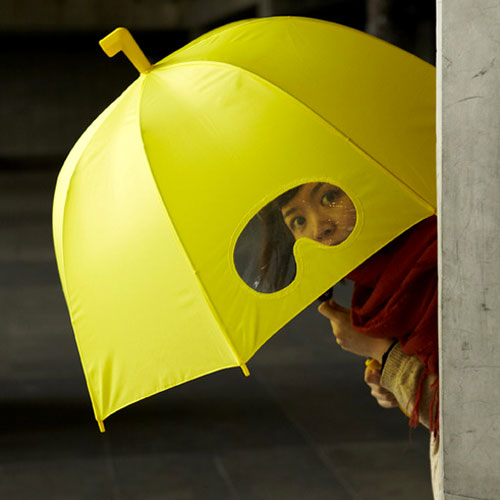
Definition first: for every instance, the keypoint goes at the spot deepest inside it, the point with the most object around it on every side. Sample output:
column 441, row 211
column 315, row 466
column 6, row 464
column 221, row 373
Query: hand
column 348, row 337
column 384, row 398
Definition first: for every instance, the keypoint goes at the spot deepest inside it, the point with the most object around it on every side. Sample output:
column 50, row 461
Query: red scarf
column 395, row 296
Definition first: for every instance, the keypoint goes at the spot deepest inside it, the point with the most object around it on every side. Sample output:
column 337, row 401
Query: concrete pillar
column 468, row 134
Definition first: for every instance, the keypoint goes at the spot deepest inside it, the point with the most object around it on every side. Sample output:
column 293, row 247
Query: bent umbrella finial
column 121, row 40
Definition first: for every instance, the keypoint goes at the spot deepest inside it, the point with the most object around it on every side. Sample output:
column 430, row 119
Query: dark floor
column 302, row 427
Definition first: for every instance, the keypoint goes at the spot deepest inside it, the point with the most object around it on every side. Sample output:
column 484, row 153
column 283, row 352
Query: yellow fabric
column 152, row 199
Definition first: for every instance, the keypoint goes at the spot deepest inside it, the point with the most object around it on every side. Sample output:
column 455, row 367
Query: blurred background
column 302, row 426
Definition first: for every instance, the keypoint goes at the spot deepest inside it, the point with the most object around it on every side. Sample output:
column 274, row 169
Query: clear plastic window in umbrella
column 264, row 251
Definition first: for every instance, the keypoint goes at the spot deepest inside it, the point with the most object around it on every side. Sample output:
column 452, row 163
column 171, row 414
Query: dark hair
column 276, row 260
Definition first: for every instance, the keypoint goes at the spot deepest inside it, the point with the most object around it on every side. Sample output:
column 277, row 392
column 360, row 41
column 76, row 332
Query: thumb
column 372, row 376
column 333, row 311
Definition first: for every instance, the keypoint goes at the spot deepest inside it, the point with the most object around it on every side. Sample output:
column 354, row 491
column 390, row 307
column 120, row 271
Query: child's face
column 321, row 212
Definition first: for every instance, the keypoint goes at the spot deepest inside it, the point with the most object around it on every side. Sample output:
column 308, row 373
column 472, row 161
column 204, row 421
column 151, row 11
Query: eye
column 330, row 197
column 297, row 222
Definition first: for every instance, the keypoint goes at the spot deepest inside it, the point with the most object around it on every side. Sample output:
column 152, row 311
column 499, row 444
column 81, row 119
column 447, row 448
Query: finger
column 372, row 376
column 333, row 311
column 379, row 392
column 379, row 388
column 326, row 311
column 388, row 400
column 339, row 337
column 387, row 404
column 333, row 305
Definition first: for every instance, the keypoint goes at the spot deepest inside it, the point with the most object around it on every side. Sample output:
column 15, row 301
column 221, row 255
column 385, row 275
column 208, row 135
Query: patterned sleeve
column 401, row 375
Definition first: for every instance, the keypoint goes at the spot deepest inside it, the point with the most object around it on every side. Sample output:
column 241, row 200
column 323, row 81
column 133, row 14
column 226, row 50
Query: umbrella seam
column 209, row 302
column 318, row 115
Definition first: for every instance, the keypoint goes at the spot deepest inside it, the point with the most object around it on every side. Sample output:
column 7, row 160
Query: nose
column 323, row 230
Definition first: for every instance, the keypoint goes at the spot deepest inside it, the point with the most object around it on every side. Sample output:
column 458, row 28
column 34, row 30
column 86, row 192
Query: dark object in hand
column 326, row 296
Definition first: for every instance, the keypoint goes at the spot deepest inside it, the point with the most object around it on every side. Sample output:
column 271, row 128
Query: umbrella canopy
column 151, row 201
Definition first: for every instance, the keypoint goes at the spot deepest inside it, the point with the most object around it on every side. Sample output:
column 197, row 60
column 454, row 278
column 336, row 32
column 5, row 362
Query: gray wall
column 469, row 178
column 57, row 15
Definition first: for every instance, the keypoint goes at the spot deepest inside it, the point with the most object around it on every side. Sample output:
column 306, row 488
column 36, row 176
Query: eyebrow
column 315, row 189
column 313, row 192
column 289, row 212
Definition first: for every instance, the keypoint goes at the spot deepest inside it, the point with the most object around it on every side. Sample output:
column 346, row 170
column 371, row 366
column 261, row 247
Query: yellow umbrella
column 151, row 201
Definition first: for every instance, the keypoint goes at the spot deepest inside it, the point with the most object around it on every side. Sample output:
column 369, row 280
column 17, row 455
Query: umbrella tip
column 121, row 40
column 100, row 423
column 244, row 369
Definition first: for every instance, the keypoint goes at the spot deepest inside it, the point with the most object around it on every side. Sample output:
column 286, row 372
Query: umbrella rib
column 317, row 114
column 209, row 302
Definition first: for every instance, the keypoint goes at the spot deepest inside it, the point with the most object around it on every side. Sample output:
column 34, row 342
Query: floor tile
column 292, row 473
column 166, row 476
column 46, row 479
column 397, row 470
